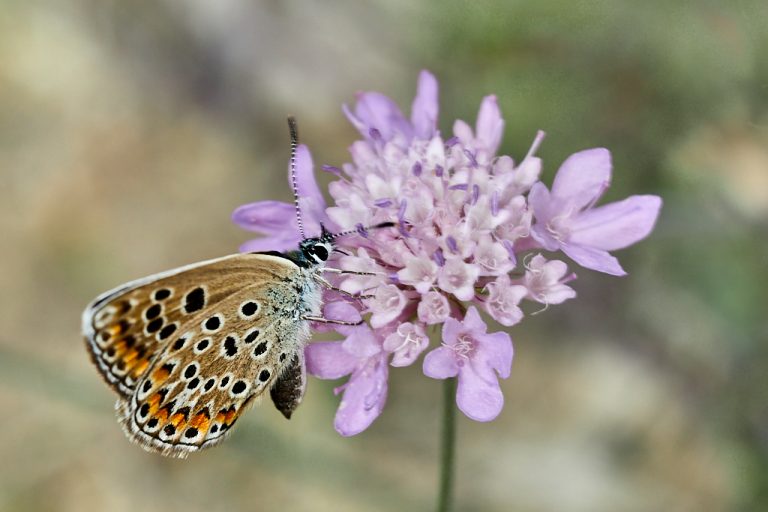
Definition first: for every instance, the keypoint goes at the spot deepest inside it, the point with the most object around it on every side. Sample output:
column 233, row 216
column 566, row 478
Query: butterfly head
column 317, row 250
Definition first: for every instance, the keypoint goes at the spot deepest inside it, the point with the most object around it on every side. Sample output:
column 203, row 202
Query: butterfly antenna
column 294, row 143
column 360, row 230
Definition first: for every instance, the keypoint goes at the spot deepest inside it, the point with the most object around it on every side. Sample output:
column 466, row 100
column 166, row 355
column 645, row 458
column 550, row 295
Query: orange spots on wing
column 119, row 347
column 176, row 420
column 116, row 329
column 141, row 366
column 200, row 422
column 230, row 416
column 161, row 374
column 154, row 403
column 162, row 415
column 131, row 355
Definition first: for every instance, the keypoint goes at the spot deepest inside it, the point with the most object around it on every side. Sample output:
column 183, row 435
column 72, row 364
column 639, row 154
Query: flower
column 478, row 359
column 362, row 357
column 566, row 219
column 545, row 281
column 406, row 343
column 504, row 299
column 470, row 227
column 433, row 308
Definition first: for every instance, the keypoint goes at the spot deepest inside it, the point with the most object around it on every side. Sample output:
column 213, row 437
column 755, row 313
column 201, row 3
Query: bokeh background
column 130, row 130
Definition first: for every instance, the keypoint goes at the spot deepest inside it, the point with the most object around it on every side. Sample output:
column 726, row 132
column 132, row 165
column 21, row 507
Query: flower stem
column 447, row 446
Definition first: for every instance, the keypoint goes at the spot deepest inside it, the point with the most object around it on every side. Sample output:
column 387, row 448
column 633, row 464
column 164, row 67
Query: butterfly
column 188, row 350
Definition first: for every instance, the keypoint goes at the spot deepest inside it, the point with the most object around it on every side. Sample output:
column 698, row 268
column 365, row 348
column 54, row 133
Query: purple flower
column 478, row 359
column 545, row 281
column 433, row 308
column 406, row 343
column 466, row 218
column 566, row 219
column 503, row 300
column 362, row 357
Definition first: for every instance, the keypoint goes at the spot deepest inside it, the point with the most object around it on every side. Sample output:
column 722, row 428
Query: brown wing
column 218, row 358
column 126, row 327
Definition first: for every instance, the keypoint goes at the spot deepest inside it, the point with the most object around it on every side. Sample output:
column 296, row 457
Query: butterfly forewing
column 188, row 350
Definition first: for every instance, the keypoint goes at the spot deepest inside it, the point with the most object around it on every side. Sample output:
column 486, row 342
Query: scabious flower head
column 471, row 229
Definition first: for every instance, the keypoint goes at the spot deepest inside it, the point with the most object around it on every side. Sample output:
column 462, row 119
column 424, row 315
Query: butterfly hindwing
column 200, row 376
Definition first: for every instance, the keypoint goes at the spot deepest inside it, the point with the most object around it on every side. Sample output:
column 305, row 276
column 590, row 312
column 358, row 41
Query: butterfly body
column 188, row 350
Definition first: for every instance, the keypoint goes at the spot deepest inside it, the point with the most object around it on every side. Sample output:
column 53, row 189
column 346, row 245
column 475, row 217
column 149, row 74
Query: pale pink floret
column 406, row 343
column 433, row 308
column 458, row 278
column 419, row 273
column 503, row 299
column 545, row 281
column 387, row 304
column 492, row 258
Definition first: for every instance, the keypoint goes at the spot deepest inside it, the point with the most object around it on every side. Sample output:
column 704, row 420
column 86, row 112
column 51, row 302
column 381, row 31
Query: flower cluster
column 472, row 230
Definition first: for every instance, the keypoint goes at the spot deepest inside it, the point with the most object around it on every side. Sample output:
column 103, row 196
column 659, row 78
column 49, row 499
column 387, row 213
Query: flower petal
column 440, row 364
column 361, row 342
column 559, row 293
column 474, row 322
column 344, row 311
column 374, row 110
column 451, row 330
column 387, row 304
column 540, row 202
column 496, row 351
column 490, row 125
column 582, row 178
column 364, row 397
column 616, row 225
column 268, row 217
column 478, row 398
column 328, row 360
column 425, row 107
column 595, row 259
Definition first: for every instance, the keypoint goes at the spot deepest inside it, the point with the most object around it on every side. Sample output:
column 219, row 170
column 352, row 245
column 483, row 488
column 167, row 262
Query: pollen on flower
column 464, row 348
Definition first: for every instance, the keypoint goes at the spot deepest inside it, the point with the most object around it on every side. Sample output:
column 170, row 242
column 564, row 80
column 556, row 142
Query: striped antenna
column 359, row 230
column 294, row 143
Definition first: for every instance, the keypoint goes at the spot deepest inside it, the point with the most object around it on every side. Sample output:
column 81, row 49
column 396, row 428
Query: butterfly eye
column 321, row 252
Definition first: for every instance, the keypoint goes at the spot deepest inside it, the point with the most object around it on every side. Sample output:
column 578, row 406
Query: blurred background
column 130, row 130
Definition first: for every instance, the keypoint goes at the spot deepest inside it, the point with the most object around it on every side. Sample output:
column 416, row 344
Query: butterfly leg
column 352, row 272
column 330, row 321
column 343, row 292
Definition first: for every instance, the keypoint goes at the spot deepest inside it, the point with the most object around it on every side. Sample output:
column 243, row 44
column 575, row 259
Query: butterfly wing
column 125, row 327
column 223, row 332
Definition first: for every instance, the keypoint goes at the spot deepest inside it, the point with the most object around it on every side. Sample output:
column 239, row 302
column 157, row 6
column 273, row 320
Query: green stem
column 447, row 446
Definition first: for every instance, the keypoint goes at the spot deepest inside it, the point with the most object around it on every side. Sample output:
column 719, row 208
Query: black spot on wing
column 195, row 300
column 230, row 346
